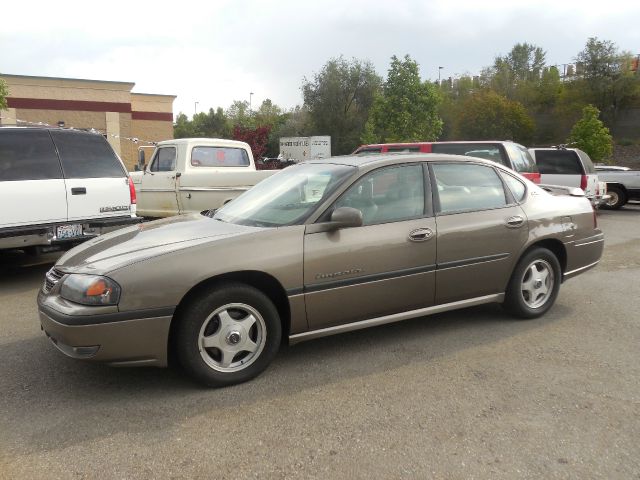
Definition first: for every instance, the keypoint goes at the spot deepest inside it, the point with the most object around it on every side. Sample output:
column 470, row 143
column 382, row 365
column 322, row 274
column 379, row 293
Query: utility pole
column 439, row 68
column 250, row 95
column 195, row 108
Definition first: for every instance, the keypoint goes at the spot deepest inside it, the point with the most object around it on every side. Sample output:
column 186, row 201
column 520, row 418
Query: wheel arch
column 619, row 185
column 553, row 245
column 262, row 281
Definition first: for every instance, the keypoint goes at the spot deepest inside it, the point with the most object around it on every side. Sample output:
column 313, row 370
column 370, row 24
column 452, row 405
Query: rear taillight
column 132, row 191
column 583, row 182
column 534, row 177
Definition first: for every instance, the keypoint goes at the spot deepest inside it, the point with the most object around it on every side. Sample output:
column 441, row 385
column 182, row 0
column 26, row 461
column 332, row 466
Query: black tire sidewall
column 514, row 302
column 197, row 311
column 622, row 198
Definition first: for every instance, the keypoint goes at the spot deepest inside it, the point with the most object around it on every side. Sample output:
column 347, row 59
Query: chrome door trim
column 396, row 317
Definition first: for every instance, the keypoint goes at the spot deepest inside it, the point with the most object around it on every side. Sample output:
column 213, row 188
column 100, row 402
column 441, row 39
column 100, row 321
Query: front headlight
column 90, row 290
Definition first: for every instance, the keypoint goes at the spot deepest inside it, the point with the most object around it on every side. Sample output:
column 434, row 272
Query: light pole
column 250, row 95
column 195, row 108
column 439, row 68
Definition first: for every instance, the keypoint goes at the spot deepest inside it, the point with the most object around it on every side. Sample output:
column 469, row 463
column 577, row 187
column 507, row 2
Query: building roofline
column 154, row 95
column 39, row 77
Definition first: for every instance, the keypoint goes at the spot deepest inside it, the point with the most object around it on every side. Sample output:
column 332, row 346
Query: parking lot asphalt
column 466, row 394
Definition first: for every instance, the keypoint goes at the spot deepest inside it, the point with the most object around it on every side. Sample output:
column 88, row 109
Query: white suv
column 60, row 187
column 569, row 167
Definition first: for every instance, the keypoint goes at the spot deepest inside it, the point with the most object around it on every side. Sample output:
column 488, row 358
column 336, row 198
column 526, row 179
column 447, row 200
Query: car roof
column 409, row 144
column 377, row 160
column 48, row 127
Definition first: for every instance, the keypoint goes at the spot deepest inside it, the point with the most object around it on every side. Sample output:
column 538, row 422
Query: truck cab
column 194, row 174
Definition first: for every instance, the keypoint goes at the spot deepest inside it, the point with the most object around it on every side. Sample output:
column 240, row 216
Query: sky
column 219, row 51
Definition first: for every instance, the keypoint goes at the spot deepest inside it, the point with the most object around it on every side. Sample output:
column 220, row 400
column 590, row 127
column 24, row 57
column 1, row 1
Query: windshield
column 286, row 198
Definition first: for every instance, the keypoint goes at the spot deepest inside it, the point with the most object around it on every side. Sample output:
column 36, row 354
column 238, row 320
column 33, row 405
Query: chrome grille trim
column 52, row 277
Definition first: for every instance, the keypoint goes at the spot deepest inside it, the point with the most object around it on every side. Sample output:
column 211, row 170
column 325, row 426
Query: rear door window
column 28, row 155
column 481, row 150
column 558, row 162
column 86, row 155
column 466, row 187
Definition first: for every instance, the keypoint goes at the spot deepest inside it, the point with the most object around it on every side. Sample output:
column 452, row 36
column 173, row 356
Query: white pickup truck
column 623, row 184
column 194, row 174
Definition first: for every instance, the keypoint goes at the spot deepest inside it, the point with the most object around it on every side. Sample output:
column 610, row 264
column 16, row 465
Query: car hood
column 133, row 244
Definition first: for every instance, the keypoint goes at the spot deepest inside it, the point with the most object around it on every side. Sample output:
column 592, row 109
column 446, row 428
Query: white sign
column 299, row 149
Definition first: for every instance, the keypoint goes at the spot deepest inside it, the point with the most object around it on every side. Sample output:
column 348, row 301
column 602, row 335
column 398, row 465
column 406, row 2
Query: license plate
column 68, row 231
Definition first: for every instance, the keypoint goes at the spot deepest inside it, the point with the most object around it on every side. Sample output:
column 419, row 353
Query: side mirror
column 342, row 217
column 141, row 160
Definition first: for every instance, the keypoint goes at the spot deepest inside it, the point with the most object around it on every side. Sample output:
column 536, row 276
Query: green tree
column 489, row 116
column 238, row 114
column 590, row 135
column 4, row 93
column 407, row 108
column 338, row 100
column 211, row 124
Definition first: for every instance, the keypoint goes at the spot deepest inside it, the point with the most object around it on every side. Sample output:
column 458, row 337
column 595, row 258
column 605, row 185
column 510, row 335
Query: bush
column 590, row 135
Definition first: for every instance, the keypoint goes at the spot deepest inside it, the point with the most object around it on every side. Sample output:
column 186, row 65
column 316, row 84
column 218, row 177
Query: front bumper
column 132, row 342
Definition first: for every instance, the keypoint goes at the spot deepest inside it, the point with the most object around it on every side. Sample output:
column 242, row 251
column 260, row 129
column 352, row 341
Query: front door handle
column 514, row 222
column 420, row 234
column 78, row 191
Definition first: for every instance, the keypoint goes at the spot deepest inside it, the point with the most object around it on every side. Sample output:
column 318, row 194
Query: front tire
column 228, row 335
column 534, row 284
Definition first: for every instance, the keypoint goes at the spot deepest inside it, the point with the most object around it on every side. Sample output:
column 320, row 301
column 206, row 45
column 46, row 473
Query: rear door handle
column 78, row 191
column 514, row 222
column 420, row 234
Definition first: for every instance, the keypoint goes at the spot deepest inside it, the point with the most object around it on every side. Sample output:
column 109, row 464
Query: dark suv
column 507, row 153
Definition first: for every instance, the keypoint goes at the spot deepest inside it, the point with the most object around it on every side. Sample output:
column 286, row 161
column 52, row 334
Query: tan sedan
column 320, row 248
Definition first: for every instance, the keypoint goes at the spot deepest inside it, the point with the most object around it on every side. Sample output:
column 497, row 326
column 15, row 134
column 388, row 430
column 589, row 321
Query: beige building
column 109, row 107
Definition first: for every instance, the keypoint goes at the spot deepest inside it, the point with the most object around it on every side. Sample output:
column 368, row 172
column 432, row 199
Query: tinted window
column 403, row 149
column 86, row 155
column 468, row 187
column 521, row 158
column 480, row 150
column 164, row 160
column 558, row 162
column 219, row 157
column 516, row 186
column 387, row 195
column 27, row 155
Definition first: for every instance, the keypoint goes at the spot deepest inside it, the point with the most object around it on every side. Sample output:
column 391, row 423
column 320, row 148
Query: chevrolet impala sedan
column 320, row 248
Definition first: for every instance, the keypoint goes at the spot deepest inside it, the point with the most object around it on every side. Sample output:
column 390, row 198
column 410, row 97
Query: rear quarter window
column 28, row 155
column 558, row 162
column 86, row 155
column 521, row 158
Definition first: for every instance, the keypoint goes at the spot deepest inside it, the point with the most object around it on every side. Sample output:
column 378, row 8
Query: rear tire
column 534, row 284
column 618, row 198
column 228, row 335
